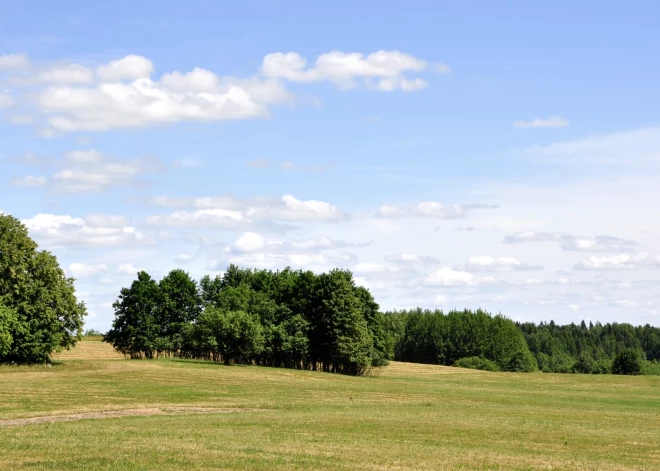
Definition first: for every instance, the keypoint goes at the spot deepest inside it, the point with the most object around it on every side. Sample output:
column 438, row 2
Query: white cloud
column 29, row 181
column 381, row 70
column 552, row 122
column 446, row 276
column 127, row 269
column 249, row 242
column 106, row 220
column 228, row 212
column 130, row 67
column 65, row 74
column 253, row 242
column 184, row 258
column 199, row 95
column 569, row 242
column 123, row 94
column 64, row 230
column 429, row 209
column 91, row 171
column 81, row 270
column 14, row 62
column 619, row 262
column 411, row 259
column 487, row 263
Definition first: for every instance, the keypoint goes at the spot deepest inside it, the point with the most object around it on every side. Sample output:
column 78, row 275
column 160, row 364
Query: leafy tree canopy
column 41, row 313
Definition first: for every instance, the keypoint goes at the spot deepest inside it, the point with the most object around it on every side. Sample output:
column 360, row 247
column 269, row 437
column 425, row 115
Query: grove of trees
column 39, row 312
column 292, row 319
column 472, row 339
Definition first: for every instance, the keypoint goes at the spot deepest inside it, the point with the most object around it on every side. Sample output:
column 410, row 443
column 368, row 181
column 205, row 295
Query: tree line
column 475, row 339
column 592, row 348
column 291, row 319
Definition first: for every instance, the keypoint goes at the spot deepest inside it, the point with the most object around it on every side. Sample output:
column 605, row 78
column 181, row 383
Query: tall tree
column 32, row 284
column 135, row 329
column 180, row 304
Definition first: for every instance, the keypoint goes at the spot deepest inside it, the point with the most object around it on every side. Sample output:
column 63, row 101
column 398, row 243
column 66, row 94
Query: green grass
column 412, row 417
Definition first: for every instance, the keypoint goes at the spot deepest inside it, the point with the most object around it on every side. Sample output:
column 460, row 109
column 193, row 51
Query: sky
column 474, row 154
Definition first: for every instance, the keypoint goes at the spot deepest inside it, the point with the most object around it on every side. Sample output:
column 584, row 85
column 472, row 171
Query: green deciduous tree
column 48, row 317
column 135, row 329
column 627, row 362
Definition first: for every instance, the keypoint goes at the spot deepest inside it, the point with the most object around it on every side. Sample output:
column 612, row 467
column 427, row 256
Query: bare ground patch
column 126, row 413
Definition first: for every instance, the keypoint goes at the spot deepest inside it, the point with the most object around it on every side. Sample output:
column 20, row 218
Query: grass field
column 95, row 410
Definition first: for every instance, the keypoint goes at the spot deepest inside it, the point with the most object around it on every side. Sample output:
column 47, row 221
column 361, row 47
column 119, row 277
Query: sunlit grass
column 416, row 417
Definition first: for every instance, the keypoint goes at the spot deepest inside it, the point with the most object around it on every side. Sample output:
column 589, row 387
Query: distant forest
column 299, row 319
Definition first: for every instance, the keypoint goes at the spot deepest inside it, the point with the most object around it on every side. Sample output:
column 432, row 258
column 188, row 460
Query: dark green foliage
column 435, row 337
column 8, row 326
column 627, row 362
column 587, row 348
column 602, row 367
column 654, row 353
column 585, row 363
column 292, row 319
column 41, row 313
column 477, row 363
column 521, row 362
column 136, row 330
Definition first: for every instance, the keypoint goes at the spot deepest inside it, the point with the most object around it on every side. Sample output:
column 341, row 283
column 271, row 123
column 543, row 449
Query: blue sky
column 470, row 154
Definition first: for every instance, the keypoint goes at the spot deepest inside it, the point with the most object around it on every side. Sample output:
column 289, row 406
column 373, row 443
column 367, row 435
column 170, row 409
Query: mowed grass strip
column 412, row 417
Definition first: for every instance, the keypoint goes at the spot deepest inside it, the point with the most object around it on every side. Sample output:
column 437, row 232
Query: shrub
column 602, row 367
column 522, row 362
column 584, row 363
column 477, row 363
column 627, row 362
column 651, row 368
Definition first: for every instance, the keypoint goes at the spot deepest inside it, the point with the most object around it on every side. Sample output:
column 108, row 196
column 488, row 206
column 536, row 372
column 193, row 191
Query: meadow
column 93, row 409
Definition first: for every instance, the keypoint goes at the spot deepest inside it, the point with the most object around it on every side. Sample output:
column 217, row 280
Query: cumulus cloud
column 253, row 242
column 81, row 270
column 130, row 67
column 123, row 93
column 90, row 171
column 619, row 262
column 487, row 263
column 127, row 269
column 73, row 74
column 552, row 122
column 14, row 62
column 65, row 230
column 381, row 70
column 229, row 212
column 569, row 242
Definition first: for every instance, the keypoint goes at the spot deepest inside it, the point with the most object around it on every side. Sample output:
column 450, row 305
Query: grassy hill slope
column 415, row 417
